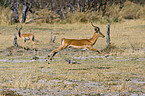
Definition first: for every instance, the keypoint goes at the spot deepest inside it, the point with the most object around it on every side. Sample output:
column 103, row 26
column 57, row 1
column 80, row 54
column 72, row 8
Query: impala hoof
column 48, row 56
column 106, row 56
column 48, row 61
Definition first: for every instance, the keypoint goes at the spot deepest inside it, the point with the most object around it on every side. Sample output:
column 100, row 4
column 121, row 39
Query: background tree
column 60, row 7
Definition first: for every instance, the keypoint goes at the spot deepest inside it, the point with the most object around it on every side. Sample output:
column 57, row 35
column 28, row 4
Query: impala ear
column 21, row 27
column 92, row 24
column 16, row 28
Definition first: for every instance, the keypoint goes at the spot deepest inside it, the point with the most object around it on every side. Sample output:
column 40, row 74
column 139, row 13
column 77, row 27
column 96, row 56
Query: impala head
column 97, row 30
column 19, row 29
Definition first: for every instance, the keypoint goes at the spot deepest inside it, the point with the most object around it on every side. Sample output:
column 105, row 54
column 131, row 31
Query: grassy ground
column 122, row 72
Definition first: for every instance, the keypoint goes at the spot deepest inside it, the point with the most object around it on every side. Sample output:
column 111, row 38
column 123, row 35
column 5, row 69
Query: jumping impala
column 25, row 37
column 79, row 43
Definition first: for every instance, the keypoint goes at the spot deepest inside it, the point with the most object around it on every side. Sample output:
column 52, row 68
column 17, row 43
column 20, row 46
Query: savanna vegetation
column 70, row 11
column 122, row 73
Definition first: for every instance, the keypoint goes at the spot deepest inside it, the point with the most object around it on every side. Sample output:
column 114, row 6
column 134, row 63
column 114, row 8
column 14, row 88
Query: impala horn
column 92, row 24
column 17, row 27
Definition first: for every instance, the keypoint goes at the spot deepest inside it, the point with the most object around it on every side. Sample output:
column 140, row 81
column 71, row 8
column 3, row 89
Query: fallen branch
column 72, row 61
column 33, row 19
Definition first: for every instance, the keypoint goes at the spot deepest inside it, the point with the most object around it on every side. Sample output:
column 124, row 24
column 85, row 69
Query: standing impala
column 25, row 37
column 79, row 43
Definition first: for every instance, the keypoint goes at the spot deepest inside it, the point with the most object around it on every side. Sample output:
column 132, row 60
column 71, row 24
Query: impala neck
column 19, row 33
column 94, row 38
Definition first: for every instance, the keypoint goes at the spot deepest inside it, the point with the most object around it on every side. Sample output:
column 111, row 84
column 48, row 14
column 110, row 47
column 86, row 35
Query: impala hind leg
column 33, row 42
column 24, row 45
column 93, row 49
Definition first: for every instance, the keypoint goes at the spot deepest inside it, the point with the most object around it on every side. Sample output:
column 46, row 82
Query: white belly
column 78, row 47
column 27, row 38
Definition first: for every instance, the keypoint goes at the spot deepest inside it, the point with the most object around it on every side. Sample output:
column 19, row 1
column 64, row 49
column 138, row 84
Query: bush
column 85, row 17
column 141, row 13
column 130, row 10
column 76, row 17
column 113, row 13
column 5, row 16
column 46, row 16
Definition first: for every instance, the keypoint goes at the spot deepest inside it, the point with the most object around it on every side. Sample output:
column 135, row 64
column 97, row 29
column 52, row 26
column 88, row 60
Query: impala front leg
column 53, row 52
column 50, row 57
column 93, row 49
column 24, row 45
column 33, row 44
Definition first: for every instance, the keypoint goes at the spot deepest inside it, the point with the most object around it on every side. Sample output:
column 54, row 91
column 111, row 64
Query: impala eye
column 96, row 30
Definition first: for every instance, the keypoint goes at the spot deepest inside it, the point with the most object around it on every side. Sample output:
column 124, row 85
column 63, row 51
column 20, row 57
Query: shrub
column 141, row 13
column 5, row 16
column 130, row 10
column 113, row 13
column 47, row 16
column 76, row 17
column 85, row 17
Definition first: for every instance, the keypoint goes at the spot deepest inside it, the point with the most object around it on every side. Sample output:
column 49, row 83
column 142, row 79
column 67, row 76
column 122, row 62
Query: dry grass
column 130, row 10
column 113, row 74
column 110, row 75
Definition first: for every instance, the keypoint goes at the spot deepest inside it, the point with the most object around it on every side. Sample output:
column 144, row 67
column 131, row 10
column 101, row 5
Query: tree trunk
column 26, row 8
column 108, row 34
column 15, row 14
